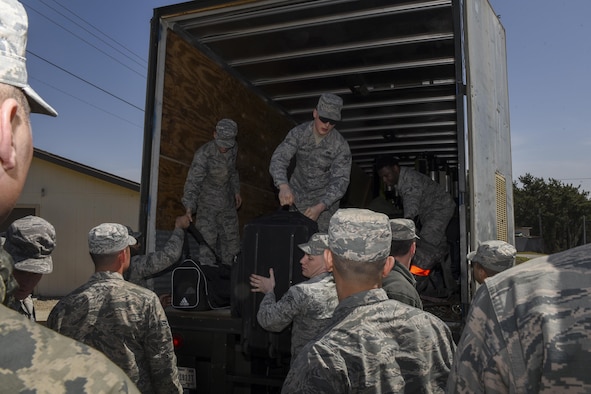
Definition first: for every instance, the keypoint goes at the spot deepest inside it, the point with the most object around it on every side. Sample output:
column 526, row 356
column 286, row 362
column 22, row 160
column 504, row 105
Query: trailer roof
column 394, row 63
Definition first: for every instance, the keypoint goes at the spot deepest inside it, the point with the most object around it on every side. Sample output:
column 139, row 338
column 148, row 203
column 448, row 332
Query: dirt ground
column 43, row 306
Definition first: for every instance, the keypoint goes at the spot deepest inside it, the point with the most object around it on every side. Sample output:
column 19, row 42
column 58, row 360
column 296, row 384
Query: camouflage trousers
column 427, row 256
column 221, row 232
column 324, row 218
column 432, row 246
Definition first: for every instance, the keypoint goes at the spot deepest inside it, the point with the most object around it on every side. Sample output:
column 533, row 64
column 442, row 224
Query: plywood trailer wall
column 197, row 94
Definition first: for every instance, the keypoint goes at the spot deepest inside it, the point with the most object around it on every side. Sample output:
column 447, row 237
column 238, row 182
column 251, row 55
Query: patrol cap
column 30, row 241
column 109, row 238
column 226, row 131
column 135, row 234
column 329, row 106
column 403, row 229
column 494, row 255
column 13, row 44
column 316, row 244
column 359, row 235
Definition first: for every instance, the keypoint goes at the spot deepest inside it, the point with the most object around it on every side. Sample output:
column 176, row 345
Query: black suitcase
column 268, row 242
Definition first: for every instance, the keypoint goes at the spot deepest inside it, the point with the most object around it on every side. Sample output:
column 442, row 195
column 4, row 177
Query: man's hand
column 238, row 199
column 182, row 222
column 165, row 300
column 261, row 284
column 315, row 211
column 189, row 215
column 285, row 195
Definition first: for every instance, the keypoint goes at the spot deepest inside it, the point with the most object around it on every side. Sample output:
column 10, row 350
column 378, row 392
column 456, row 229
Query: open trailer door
column 488, row 130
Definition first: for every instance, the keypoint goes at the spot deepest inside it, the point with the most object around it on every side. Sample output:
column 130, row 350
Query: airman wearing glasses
column 323, row 163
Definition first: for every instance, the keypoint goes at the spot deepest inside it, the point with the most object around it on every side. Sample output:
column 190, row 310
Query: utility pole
column 540, row 221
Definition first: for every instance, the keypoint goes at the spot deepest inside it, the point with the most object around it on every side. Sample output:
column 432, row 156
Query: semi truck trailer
column 422, row 80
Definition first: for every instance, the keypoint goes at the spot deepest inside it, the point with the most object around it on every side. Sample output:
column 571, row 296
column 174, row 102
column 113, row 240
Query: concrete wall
column 74, row 202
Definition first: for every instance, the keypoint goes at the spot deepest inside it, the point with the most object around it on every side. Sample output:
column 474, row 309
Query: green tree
column 554, row 210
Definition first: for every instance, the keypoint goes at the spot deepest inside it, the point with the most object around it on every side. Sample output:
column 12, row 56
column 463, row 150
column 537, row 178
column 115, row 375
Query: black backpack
column 196, row 286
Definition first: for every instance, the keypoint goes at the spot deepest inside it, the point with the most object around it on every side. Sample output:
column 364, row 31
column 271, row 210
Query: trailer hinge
column 461, row 88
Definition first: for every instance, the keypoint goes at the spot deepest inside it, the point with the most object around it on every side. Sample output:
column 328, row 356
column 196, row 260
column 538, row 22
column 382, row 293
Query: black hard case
column 269, row 242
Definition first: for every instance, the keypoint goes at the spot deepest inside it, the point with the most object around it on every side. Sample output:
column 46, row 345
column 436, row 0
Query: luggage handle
column 200, row 240
column 186, row 251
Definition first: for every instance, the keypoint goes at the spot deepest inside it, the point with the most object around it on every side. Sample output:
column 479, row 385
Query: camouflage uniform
column 529, row 329
column 321, row 172
column 309, row 305
column 127, row 323
column 25, row 307
column 400, row 285
column 423, row 197
column 210, row 189
column 124, row 321
column 143, row 266
column 375, row 345
column 494, row 255
column 7, row 282
column 13, row 44
column 36, row 359
column 30, row 241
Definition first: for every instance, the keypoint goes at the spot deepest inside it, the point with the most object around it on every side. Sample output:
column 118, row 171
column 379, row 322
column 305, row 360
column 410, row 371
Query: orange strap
column 419, row 271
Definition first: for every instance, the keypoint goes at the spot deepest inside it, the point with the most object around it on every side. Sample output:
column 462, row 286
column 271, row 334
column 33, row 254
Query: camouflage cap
column 13, row 44
column 30, row 241
column 226, row 131
column 359, row 235
column 109, row 238
column 329, row 106
column 135, row 234
column 494, row 255
column 316, row 244
column 403, row 229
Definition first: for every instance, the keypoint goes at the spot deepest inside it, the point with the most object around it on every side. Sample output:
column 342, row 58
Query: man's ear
column 328, row 263
column 122, row 256
column 413, row 249
column 388, row 265
column 8, row 111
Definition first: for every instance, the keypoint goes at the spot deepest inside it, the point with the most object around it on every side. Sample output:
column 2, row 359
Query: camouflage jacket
column 375, row 345
column 322, row 170
column 7, row 282
column 400, row 285
column 212, row 181
column 423, row 197
column 34, row 359
column 25, row 307
column 127, row 323
column 529, row 329
column 308, row 305
column 143, row 266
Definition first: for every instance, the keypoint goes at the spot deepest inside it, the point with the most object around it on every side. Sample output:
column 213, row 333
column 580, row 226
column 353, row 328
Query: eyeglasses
column 332, row 122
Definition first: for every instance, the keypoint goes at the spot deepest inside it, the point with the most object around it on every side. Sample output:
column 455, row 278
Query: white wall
column 74, row 203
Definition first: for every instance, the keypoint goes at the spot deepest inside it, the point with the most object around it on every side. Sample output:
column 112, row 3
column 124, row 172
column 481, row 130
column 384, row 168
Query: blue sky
column 548, row 56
